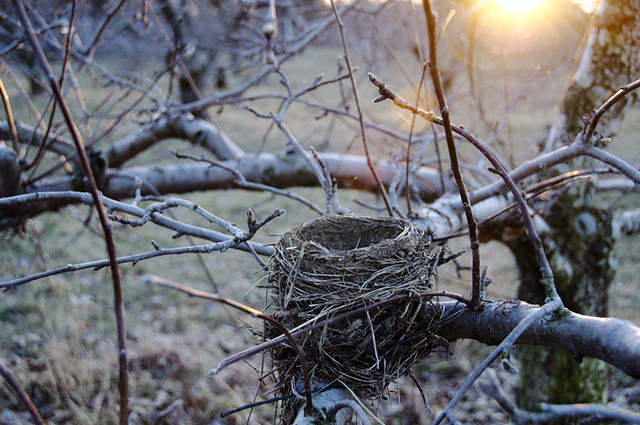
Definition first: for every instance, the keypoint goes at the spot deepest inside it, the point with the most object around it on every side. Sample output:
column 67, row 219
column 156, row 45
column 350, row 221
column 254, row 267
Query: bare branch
column 453, row 154
column 590, row 129
column 242, row 182
column 614, row 341
column 547, row 310
column 24, row 397
column 197, row 131
column 253, row 312
column 239, row 241
column 363, row 133
column 545, row 269
column 108, row 235
column 90, row 50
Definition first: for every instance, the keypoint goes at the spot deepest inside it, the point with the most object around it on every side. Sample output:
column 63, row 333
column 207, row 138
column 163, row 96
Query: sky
column 525, row 6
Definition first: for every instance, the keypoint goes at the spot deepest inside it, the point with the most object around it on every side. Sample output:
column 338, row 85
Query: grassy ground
column 58, row 333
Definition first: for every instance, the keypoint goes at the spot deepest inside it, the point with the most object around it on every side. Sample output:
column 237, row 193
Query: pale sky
column 586, row 5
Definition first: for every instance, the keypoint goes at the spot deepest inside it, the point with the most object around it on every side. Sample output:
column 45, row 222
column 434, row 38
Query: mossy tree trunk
column 579, row 243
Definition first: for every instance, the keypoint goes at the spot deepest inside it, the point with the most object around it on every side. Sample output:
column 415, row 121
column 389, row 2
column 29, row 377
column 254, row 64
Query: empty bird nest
column 363, row 283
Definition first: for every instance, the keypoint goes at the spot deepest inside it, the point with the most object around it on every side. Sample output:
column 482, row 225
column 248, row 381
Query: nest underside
column 365, row 279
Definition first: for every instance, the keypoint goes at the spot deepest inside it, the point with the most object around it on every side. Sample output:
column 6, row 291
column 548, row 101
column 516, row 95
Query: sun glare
column 519, row 7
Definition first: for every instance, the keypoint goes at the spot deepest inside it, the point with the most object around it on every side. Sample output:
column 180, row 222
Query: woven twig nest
column 333, row 267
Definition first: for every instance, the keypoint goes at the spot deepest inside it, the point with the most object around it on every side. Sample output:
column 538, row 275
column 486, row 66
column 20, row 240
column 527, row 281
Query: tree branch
column 614, row 341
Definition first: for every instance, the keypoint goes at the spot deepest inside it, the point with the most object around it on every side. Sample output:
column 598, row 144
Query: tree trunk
column 580, row 242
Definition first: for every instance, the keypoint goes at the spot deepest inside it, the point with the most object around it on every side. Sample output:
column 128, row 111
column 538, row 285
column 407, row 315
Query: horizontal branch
column 349, row 171
column 614, row 341
column 197, row 131
column 69, row 197
column 543, row 162
column 30, row 135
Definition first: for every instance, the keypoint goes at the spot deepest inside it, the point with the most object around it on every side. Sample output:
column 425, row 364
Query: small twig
column 159, row 417
column 491, row 387
column 550, row 412
column 604, row 413
column 393, row 192
column 453, row 154
column 363, row 133
column 253, row 312
column 408, row 152
column 118, row 305
column 299, row 149
column 24, row 397
column 587, row 133
column 89, row 51
column 326, row 184
column 12, row 124
column 574, row 149
column 544, row 187
column 422, row 395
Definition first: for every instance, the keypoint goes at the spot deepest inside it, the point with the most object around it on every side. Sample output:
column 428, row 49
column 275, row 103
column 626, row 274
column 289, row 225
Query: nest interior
column 366, row 277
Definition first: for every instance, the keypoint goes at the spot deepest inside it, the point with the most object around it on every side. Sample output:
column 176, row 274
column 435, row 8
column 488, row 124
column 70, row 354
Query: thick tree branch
column 279, row 171
column 196, row 131
column 614, row 341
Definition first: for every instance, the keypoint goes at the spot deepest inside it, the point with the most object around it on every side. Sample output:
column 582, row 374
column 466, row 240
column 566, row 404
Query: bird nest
column 363, row 280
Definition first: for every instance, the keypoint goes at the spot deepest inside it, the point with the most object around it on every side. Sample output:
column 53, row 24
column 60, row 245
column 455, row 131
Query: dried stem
column 24, row 397
column 123, row 384
column 253, row 312
column 12, row 124
column 381, row 188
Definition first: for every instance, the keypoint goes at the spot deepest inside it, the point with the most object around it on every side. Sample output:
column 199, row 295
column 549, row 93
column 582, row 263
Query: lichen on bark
column 580, row 242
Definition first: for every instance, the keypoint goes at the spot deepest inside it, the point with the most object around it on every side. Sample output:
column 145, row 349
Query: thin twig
column 12, row 124
column 89, row 51
column 408, row 153
column 574, row 149
column 363, row 133
column 253, row 312
column 123, row 384
column 587, row 133
column 24, row 397
column 453, row 155
column 242, row 182
column 544, row 188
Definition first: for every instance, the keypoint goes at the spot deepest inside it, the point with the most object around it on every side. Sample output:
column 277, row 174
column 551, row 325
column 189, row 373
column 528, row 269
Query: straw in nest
column 334, row 266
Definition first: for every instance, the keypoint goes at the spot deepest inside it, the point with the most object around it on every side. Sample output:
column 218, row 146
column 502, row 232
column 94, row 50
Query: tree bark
column 580, row 242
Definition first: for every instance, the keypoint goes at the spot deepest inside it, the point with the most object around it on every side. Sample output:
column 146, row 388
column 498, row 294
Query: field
column 58, row 333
